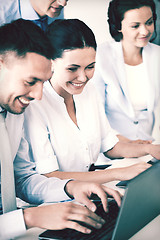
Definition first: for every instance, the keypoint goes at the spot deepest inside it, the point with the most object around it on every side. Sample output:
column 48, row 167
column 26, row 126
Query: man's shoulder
column 9, row 10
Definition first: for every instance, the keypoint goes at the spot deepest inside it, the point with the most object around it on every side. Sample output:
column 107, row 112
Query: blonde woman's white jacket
column 110, row 79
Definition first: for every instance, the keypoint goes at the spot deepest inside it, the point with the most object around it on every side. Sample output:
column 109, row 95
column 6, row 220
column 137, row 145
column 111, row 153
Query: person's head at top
column 25, row 64
column 73, row 60
column 132, row 22
column 51, row 8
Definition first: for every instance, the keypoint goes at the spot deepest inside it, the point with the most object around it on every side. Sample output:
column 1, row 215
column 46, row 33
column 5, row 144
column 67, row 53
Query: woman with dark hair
column 127, row 70
column 116, row 14
column 68, row 128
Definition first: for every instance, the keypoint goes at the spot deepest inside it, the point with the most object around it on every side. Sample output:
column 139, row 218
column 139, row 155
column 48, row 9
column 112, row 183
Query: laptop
column 139, row 206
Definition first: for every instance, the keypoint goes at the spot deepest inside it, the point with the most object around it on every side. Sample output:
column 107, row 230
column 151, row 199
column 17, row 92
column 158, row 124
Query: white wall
column 93, row 13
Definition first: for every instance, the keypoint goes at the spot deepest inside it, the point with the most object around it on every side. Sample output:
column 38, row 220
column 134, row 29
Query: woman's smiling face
column 137, row 26
column 73, row 70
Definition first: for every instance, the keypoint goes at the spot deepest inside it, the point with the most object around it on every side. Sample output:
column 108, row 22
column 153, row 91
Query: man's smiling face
column 21, row 80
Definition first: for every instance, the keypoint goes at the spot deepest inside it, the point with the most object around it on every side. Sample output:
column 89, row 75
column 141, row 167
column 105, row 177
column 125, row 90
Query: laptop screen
column 141, row 203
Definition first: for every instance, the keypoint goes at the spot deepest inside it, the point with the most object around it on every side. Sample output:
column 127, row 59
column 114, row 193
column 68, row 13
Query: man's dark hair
column 23, row 36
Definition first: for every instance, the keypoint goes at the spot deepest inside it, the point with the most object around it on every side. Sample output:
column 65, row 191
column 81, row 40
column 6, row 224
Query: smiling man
column 41, row 12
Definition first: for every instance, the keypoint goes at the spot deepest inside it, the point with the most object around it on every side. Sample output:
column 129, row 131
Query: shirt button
column 135, row 122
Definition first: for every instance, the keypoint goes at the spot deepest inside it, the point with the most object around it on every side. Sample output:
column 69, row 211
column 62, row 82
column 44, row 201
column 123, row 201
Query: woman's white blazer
column 110, row 79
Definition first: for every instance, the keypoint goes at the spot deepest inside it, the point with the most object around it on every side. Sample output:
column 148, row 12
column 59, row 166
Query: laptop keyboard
column 110, row 218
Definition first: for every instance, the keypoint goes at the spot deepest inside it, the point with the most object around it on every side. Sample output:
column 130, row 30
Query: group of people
column 55, row 141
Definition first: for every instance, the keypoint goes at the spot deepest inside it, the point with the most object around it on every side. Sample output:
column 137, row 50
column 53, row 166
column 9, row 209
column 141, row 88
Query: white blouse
column 56, row 143
column 137, row 86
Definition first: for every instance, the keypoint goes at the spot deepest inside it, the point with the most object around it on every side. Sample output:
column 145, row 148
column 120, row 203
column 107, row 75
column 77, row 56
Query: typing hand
column 82, row 192
column 127, row 173
column 62, row 215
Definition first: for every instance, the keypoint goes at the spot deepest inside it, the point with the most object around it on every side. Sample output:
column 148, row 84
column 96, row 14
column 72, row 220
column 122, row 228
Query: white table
column 149, row 232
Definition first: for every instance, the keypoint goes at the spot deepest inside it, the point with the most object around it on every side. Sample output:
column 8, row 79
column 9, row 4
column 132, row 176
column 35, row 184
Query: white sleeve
column 99, row 83
column 38, row 137
column 12, row 225
column 33, row 187
column 108, row 135
column 109, row 138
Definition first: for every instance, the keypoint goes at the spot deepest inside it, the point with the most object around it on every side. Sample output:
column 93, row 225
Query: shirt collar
column 27, row 11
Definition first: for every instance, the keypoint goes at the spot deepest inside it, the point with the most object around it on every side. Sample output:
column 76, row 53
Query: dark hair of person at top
column 23, row 36
column 69, row 34
column 117, row 9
